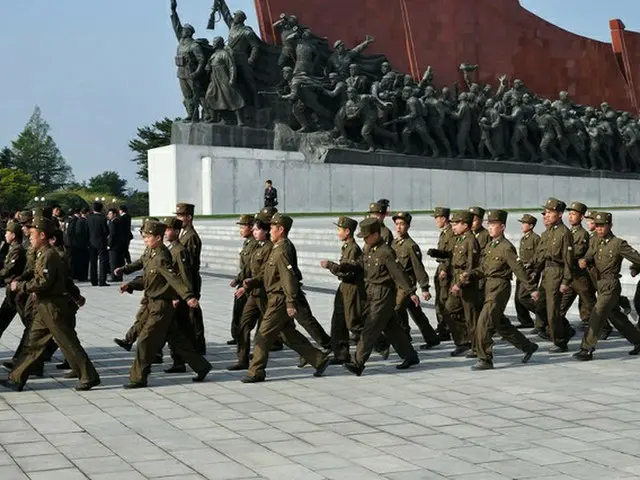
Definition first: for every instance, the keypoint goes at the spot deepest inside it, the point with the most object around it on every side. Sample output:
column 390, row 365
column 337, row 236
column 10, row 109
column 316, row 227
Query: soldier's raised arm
column 175, row 19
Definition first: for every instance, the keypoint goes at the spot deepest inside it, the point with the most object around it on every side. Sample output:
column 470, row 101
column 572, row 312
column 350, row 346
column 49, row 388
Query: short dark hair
column 113, row 210
column 84, row 210
column 97, row 207
column 124, row 208
column 269, row 182
column 262, row 225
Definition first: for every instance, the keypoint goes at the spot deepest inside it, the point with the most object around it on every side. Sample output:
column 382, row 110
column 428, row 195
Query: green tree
column 6, row 158
column 109, row 182
column 17, row 189
column 148, row 137
column 36, row 154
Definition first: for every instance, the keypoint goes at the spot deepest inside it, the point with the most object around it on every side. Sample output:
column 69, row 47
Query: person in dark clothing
column 270, row 195
column 125, row 220
column 116, row 243
column 78, row 234
column 98, row 242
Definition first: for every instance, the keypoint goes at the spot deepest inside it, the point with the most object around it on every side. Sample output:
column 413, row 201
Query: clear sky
column 101, row 68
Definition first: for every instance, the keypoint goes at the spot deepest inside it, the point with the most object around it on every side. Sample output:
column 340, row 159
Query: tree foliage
column 35, row 153
column 6, row 158
column 17, row 189
column 148, row 137
column 108, row 182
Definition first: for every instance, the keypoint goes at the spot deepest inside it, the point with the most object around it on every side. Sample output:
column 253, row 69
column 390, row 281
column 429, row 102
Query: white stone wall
column 220, row 180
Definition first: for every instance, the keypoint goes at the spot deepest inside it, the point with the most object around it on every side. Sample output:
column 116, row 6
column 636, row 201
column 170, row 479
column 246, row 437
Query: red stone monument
column 498, row 35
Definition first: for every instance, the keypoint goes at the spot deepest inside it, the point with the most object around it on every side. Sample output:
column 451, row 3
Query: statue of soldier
column 496, row 124
column 355, row 80
column 285, row 25
column 464, row 116
column 338, row 92
column 245, row 45
column 551, row 135
column 414, row 123
column 342, row 57
column 520, row 133
column 303, row 95
column 362, row 109
column 222, row 93
column 435, row 116
column 596, row 141
column 629, row 153
column 607, row 123
column 563, row 102
column 191, row 61
column 486, row 140
column 572, row 139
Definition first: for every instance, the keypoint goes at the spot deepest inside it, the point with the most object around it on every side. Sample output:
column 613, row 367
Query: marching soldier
column 606, row 255
column 409, row 257
column 478, row 230
column 443, row 278
column 347, row 305
column 246, row 224
column 499, row 263
column 379, row 211
column 14, row 263
column 382, row 276
column 281, row 284
column 528, row 246
column 190, row 239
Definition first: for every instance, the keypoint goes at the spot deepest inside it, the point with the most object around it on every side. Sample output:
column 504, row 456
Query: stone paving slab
column 554, row 418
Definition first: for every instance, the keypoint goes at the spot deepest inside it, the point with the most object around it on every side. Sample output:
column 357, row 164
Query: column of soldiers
column 377, row 292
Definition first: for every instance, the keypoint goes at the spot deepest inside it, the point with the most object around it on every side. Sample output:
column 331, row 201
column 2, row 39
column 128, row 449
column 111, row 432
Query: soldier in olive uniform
column 347, row 304
column 581, row 286
column 499, row 263
column 555, row 258
column 14, row 263
column 246, row 224
column 282, row 287
column 256, row 303
column 190, row 239
column 527, row 252
column 162, row 285
column 443, row 276
column 409, row 257
column 478, row 230
column 383, row 275
column 51, row 318
column 379, row 211
column 606, row 255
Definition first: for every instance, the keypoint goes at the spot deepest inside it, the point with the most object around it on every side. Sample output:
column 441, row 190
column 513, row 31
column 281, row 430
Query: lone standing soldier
column 528, row 246
column 281, row 286
column 409, row 257
column 443, row 278
column 499, row 263
column 51, row 320
column 244, row 271
column 383, row 275
column 606, row 256
column 555, row 257
column 190, row 239
column 162, row 285
column 270, row 195
column 347, row 303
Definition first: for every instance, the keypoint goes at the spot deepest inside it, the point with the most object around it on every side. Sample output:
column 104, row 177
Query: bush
column 66, row 199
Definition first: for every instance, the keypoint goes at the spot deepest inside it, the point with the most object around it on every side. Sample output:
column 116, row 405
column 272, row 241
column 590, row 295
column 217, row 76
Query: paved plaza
column 553, row 418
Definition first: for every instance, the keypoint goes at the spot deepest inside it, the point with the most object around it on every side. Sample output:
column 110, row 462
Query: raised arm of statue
column 501, row 88
column 175, row 20
column 360, row 48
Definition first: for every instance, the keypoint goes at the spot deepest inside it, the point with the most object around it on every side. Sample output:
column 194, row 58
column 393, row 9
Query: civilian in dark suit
column 125, row 220
column 270, row 195
column 116, row 243
column 78, row 238
column 98, row 242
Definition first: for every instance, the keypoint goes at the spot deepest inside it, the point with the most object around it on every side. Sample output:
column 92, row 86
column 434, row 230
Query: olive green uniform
column 606, row 256
column 347, row 303
column 14, row 264
column 190, row 239
column 409, row 257
column 25, row 304
column 51, row 319
column 445, row 243
column 162, row 284
column 244, row 272
column 499, row 263
column 141, row 315
column 528, row 245
column 281, row 285
column 581, row 285
column 255, row 305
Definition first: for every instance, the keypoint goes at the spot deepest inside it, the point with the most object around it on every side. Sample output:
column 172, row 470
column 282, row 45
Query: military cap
column 377, row 207
column 44, row 225
column 589, row 214
column 577, row 207
column 346, row 222
column 245, row 220
column 499, row 216
column 14, row 227
column 185, row 209
column 265, row 214
column 369, row 226
column 26, row 216
column 555, row 205
column 154, row 228
column 172, row 222
column 463, row 216
column 284, row 220
column 441, row 212
column 526, row 218
column 477, row 211
column 602, row 218
column 406, row 216
column 147, row 220
column 385, row 202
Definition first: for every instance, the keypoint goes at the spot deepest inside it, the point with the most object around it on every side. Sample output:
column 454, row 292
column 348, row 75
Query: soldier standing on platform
column 528, row 245
column 347, row 304
column 190, row 239
column 382, row 276
column 409, row 257
column 606, row 255
column 499, row 263
column 246, row 224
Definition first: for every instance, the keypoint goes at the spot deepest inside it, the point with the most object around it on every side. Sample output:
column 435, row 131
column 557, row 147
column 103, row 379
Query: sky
column 99, row 69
